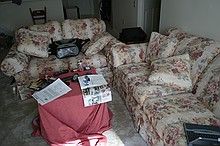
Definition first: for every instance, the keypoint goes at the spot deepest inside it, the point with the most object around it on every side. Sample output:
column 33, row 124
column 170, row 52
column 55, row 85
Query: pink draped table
column 65, row 121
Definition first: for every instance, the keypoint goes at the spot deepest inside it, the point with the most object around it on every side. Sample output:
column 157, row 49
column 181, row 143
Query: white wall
column 136, row 13
column 86, row 7
column 13, row 16
column 201, row 17
column 124, row 14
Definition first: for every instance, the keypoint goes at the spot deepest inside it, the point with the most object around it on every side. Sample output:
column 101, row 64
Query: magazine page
column 88, row 81
column 96, row 95
column 51, row 92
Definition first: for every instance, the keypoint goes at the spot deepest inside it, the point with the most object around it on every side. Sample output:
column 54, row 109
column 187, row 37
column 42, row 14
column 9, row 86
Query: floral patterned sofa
column 28, row 58
column 173, row 79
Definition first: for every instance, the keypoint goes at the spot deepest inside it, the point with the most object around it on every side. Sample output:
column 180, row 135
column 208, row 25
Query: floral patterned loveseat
column 173, row 79
column 28, row 58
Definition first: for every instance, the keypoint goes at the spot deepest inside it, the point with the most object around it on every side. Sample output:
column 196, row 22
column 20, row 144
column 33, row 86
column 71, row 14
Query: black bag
column 66, row 48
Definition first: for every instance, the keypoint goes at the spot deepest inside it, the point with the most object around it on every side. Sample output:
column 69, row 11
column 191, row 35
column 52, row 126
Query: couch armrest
column 14, row 62
column 125, row 54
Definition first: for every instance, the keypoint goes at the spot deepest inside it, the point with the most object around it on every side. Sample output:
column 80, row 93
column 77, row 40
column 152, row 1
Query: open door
column 105, row 9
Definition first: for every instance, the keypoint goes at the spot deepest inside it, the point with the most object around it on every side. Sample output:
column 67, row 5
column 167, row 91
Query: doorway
column 105, row 10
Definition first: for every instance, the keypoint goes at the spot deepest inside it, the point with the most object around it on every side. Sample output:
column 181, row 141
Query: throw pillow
column 160, row 46
column 33, row 43
column 173, row 71
column 52, row 27
column 96, row 44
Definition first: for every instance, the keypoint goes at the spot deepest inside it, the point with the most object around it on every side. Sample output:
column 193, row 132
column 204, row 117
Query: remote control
column 66, row 78
column 60, row 72
column 89, row 73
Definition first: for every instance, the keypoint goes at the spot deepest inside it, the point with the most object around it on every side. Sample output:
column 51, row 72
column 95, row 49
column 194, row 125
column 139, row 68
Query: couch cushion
column 160, row 46
column 168, row 114
column 52, row 27
column 39, row 66
column 201, row 50
column 145, row 90
column 82, row 28
column 129, row 75
column 14, row 62
column 33, row 43
column 126, row 54
column 210, row 92
column 113, row 42
column 96, row 44
column 172, row 72
column 98, row 60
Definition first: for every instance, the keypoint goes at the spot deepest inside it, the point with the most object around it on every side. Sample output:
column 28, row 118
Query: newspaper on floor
column 88, row 81
column 95, row 89
column 51, row 92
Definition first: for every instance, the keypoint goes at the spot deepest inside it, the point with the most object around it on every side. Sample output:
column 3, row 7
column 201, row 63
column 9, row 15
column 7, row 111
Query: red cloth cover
column 66, row 122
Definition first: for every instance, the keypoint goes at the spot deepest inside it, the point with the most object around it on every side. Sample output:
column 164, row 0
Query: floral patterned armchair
column 171, row 80
column 29, row 58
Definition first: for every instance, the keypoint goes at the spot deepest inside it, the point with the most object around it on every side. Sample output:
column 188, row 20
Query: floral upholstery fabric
column 82, row 28
column 97, row 43
column 160, row 46
column 172, row 72
column 148, row 132
column 130, row 73
column 33, row 43
column 208, row 87
column 111, row 44
column 201, row 50
column 52, row 27
column 146, row 90
column 39, row 66
column 159, row 111
column 27, row 65
column 125, row 54
column 14, row 62
column 23, row 77
column 98, row 60
column 108, row 48
column 168, row 114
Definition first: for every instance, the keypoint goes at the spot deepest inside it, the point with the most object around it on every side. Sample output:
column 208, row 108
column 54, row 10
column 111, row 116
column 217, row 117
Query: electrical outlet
column 134, row 4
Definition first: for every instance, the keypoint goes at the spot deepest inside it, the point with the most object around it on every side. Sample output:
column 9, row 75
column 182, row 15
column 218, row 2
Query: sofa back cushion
column 82, row 28
column 208, row 86
column 172, row 72
column 201, row 50
column 125, row 54
column 96, row 44
column 52, row 27
column 160, row 46
column 33, row 43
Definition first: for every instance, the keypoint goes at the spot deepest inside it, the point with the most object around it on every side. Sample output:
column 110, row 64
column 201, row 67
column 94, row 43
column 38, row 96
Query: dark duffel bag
column 66, row 48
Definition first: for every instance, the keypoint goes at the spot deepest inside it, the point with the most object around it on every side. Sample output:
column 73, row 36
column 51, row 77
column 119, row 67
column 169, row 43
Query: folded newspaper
column 95, row 89
column 51, row 92
column 88, row 81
